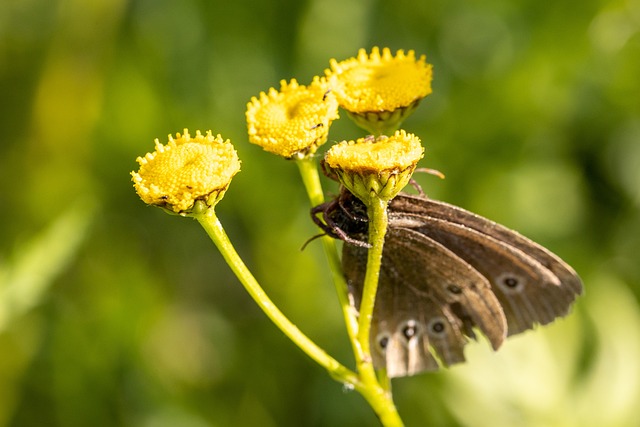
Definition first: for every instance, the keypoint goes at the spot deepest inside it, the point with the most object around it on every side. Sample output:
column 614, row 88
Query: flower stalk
column 311, row 179
column 210, row 223
column 365, row 381
column 378, row 222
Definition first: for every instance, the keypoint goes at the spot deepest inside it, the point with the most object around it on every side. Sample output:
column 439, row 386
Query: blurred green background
column 116, row 314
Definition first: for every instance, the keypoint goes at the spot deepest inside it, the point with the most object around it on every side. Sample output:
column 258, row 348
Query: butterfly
column 446, row 272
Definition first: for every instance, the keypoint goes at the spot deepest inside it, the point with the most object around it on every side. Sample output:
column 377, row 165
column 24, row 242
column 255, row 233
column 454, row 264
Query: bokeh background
column 116, row 314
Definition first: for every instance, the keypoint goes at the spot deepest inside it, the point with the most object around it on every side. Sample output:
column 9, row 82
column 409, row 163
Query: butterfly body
column 445, row 273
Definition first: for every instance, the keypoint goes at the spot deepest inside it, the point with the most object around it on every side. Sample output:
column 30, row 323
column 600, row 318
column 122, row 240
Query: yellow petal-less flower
column 294, row 121
column 375, row 167
column 380, row 90
column 398, row 152
column 186, row 170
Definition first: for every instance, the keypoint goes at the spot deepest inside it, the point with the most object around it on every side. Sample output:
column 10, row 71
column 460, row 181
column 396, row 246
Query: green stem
column 311, row 180
column 377, row 394
column 377, row 213
column 213, row 227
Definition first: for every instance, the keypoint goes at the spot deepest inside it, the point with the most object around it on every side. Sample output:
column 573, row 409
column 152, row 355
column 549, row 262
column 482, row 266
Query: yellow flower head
column 380, row 90
column 294, row 121
column 186, row 170
column 375, row 167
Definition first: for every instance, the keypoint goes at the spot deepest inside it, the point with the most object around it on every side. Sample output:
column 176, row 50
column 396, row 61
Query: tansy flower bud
column 294, row 121
column 380, row 90
column 188, row 174
column 375, row 167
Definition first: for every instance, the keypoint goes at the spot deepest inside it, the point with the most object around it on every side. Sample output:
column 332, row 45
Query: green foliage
column 133, row 319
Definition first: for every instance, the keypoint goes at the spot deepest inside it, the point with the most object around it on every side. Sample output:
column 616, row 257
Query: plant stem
column 377, row 213
column 377, row 394
column 213, row 227
column 311, row 180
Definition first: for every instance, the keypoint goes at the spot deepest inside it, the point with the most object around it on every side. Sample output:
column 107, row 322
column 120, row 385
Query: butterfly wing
column 428, row 301
column 533, row 285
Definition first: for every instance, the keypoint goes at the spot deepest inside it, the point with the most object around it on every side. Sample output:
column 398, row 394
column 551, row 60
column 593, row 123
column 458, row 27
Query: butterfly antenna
column 417, row 186
column 430, row 171
column 311, row 239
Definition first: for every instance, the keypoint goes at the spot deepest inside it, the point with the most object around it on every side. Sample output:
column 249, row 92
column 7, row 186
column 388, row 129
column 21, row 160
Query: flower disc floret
column 294, row 121
column 186, row 170
column 380, row 82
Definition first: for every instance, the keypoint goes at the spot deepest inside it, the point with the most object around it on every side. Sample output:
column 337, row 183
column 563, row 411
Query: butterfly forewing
column 532, row 284
column 436, row 209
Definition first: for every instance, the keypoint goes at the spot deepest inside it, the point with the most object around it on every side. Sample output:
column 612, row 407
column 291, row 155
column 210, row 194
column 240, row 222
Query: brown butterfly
column 446, row 271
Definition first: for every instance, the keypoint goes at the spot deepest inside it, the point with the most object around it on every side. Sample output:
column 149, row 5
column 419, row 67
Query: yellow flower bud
column 294, row 121
column 375, row 167
column 186, row 170
column 380, row 90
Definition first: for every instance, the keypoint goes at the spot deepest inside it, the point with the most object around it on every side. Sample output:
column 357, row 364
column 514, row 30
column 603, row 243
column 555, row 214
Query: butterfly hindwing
column 428, row 298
